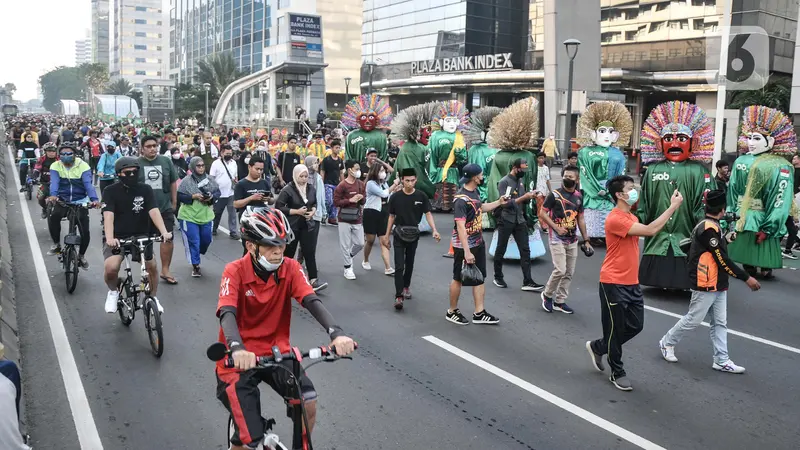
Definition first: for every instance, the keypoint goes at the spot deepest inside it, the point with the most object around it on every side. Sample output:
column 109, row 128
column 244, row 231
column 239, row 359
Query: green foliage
column 65, row 83
column 218, row 71
column 775, row 94
column 119, row 87
column 137, row 97
column 95, row 76
column 10, row 88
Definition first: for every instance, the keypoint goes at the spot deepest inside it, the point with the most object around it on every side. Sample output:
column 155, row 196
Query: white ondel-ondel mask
column 605, row 136
column 449, row 123
column 758, row 144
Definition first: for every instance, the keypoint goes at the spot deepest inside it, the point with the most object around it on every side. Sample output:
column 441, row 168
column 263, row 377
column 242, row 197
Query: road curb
column 9, row 332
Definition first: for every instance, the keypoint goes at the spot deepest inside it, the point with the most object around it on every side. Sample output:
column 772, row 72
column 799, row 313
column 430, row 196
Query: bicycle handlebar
column 75, row 205
column 218, row 351
column 138, row 241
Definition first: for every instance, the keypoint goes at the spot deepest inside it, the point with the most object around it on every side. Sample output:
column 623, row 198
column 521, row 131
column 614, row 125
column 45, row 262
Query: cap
column 469, row 171
column 371, row 150
column 715, row 198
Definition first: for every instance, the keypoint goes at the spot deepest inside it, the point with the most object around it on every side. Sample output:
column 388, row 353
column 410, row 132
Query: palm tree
column 775, row 94
column 219, row 71
column 119, row 87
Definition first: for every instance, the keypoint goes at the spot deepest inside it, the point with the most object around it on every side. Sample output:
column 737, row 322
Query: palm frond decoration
column 517, row 127
column 479, row 122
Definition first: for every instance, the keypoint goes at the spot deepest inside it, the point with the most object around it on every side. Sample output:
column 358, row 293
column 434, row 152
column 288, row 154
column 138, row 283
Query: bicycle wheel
column 71, row 268
column 126, row 304
column 29, row 191
column 152, row 322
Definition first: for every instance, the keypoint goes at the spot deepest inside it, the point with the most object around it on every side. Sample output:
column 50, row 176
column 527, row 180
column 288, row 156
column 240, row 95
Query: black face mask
column 521, row 174
column 228, row 157
column 129, row 179
column 567, row 183
column 111, row 150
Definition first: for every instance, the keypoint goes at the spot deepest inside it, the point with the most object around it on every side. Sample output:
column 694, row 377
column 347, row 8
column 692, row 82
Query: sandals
column 169, row 280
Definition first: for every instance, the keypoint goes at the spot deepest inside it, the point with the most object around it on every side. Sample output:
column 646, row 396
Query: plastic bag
column 471, row 275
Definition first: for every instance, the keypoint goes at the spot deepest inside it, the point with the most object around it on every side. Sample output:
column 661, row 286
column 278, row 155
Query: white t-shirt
column 542, row 177
column 222, row 178
column 10, row 436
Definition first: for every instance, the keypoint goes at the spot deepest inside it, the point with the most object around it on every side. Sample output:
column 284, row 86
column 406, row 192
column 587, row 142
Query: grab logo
column 782, row 188
column 357, row 140
column 597, row 154
column 742, row 167
column 660, row 176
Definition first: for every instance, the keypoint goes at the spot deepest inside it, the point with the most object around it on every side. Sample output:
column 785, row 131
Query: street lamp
column 207, row 87
column 572, row 51
column 371, row 65
column 347, row 89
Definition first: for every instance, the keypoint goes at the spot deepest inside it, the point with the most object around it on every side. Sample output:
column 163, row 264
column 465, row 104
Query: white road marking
column 733, row 332
column 224, row 230
column 547, row 396
column 88, row 435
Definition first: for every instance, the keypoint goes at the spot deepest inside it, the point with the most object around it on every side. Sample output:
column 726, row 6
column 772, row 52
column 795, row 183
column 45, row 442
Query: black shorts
column 135, row 253
column 246, row 407
column 478, row 252
column 169, row 220
column 375, row 222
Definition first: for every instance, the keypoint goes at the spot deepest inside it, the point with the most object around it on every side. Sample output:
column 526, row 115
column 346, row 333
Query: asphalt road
column 417, row 381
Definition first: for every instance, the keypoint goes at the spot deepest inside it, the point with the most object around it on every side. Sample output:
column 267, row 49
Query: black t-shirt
column 332, row 168
column 408, row 209
column 245, row 188
column 131, row 208
column 564, row 208
column 286, row 163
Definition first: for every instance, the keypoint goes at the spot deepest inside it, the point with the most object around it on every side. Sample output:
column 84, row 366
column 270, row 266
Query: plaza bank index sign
column 498, row 61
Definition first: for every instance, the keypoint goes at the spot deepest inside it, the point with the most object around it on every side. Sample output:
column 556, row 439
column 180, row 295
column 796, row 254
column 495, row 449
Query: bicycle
column 69, row 254
column 29, row 180
column 130, row 293
column 295, row 406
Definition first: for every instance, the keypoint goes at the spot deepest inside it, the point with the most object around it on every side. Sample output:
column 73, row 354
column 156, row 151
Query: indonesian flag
column 785, row 172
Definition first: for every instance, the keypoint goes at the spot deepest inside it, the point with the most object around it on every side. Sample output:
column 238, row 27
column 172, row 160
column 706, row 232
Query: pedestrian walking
column 406, row 209
column 223, row 172
column 512, row 222
column 376, row 215
column 622, row 302
column 251, row 191
column 349, row 197
column 543, row 187
column 469, row 247
column 562, row 211
column 709, row 270
column 549, row 149
column 197, row 192
column 332, row 171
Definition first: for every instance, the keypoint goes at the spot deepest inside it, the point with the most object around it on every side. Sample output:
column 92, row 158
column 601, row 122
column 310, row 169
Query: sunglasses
column 199, row 165
column 67, row 154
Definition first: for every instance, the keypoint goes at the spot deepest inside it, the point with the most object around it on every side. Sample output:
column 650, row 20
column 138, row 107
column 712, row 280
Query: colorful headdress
column 363, row 104
column 408, row 122
column 769, row 122
column 677, row 117
column 613, row 114
column 451, row 108
column 516, row 127
column 479, row 122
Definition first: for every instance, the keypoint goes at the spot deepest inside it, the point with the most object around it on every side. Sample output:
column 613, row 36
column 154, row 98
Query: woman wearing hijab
column 315, row 179
column 298, row 202
column 179, row 162
column 242, row 164
column 196, row 193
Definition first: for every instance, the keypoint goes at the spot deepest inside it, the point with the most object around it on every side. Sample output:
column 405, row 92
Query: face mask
column 633, row 197
column 68, row 159
column 382, row 176
column 520, row 174
column 228, row 157
column 357, row 174
column 268, row 266
column 569, row 184
column 129, row 179
column 176, row 156
column 247, row 160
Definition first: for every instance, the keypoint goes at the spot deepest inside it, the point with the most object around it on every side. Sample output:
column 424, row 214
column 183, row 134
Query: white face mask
column 357, row 174
column 758, row 144
column 268, row 266
column 176, row 156
column 382, row 176
column 450, row 124
column 247, row 160
column 605, row 136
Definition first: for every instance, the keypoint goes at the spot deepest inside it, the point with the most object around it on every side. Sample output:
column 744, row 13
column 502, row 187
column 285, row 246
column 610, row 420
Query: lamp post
column 572, row 51
column 371, row 65
column 347, row 89
column 207, row 87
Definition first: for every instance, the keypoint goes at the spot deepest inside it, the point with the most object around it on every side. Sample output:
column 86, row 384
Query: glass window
column 141, row 34
column 140, row 22
column 141, row 8
column 141, row 72
column 140, row 47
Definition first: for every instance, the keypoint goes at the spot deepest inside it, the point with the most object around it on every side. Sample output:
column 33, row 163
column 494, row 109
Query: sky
column 44, row 39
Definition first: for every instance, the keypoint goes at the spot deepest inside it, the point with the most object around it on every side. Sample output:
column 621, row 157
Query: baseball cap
column 372, row 150
column 469, row 171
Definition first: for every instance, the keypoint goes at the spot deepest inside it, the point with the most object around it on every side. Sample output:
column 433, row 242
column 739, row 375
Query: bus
column 10, row 110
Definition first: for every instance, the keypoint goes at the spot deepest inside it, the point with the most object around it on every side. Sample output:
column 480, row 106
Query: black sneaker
column 318, row 285
column 398, row 303
column 484, row 318
column 621, row 383
column 563, row 307
column 44, row 214
column 532, row 286
column 547, row 303
column 456, row 317
column 597, row 360
column 196, row 272
column 234, row 236
column 499, row 282
column 214, row 232
column 788, row 254
column 82, row 262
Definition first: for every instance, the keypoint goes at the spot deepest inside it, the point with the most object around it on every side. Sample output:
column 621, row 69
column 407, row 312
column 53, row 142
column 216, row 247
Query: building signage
column 498, row 61
column 306, row 26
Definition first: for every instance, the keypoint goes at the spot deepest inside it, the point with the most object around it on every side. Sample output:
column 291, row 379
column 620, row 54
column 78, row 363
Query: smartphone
column 508, row 191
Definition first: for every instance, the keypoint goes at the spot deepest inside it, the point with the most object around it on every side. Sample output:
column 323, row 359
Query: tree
column 136, row 96
column 62, row 83
column 775, row 94
column 189, row 101
column 219, row 71
column 10, row 88
column 119, row 87
column 95, row 75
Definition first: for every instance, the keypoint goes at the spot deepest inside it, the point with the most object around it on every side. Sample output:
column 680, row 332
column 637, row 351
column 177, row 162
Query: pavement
column 417, row 381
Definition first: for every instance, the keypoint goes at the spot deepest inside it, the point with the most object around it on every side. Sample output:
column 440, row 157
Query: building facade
column 83, row 51
column 100, row 32
column 137, row 52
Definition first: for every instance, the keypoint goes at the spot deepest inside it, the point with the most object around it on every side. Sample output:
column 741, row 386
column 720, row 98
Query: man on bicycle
column 254, row 310
column 130, row 210
column 42, row 170
column 70, row 182
column 28, row 149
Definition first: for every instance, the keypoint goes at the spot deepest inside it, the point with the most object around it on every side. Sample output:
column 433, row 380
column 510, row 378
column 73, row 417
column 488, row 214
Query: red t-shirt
column 621, row 265
column 94, row 145
column 263, row 309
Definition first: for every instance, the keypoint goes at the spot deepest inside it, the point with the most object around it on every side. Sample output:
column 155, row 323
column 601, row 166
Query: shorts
column 246, row 407
column 135, row 253
column 478, row 252
column 375, row 222
column 169, row 220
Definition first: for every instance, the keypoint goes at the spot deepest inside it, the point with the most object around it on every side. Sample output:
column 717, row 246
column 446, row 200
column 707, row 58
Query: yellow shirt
column 549, row 148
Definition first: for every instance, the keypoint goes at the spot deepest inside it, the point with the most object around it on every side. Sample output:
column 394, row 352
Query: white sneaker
column 349, row 274
column 366, row 265
column 158, row 304
column 667, row 351
column 389, row 272
column 728, row 366
column 111, row 301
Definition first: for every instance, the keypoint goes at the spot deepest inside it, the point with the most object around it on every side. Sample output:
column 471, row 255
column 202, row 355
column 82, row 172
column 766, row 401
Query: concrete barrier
column 9, row 333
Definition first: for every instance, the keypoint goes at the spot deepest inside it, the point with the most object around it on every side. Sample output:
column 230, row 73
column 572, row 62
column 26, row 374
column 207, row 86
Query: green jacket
column 738, row 181
column 482, row 155
column 415, row 156
column 198, row 212
column 593, row 162
column 770, row 187
column 692, row 179
column 358, row 141
column 499, row 168
column 440, row 144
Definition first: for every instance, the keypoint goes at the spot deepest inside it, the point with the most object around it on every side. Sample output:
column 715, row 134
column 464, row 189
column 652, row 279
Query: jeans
column 332, row 209
column 564, row 258
column 622, row 315
column 520, row 233
column 351, row 241
column 54, row 224
column 196, row 239
column 222, row 204
column 702, row 303
column 791, row 238
column 23, row 172
column 404, row 254
column 307, row 239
